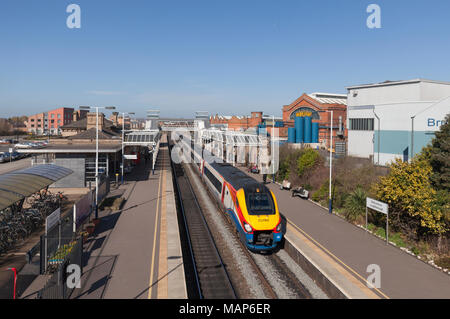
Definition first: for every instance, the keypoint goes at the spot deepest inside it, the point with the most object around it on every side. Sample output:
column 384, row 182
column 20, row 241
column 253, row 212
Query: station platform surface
column 344, row 251
column 135, row 252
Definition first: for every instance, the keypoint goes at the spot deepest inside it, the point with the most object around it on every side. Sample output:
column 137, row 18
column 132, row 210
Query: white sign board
column 130, row 156
column 11, row 150
column 52, row 219
column 377, row 205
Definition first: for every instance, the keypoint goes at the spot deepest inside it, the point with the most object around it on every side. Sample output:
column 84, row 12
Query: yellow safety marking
column 155, row 232
column 335, row 257
column 162, row 266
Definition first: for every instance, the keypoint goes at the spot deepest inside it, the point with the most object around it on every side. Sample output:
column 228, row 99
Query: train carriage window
column 217, row 184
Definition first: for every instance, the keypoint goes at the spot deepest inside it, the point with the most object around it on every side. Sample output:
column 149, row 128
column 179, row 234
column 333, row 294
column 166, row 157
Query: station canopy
column 141, row 137
column 233, row 138
column 17, row 185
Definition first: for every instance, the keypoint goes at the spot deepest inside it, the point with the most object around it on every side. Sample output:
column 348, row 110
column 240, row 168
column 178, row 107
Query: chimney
column 115, row 118
column 75, row 116
column 92, row 120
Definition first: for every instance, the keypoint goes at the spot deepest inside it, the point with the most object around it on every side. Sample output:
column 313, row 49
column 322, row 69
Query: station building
column 395, row 119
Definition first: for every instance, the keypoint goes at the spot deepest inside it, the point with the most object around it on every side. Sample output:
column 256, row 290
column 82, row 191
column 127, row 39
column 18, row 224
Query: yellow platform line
column 335, row 257
column 155, row 233
column 162, row 266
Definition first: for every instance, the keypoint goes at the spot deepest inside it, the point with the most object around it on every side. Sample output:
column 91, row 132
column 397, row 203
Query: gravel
column 225, row 235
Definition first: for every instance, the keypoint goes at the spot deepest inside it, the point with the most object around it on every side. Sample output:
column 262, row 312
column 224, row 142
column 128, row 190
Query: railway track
column 274, row 276
column 208, row 273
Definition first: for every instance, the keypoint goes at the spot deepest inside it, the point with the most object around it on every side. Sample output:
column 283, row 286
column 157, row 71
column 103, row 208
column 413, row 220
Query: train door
column 228, row 199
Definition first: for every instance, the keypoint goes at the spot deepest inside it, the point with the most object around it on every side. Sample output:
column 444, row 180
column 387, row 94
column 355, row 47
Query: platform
column 135, row 252
column 342, row 252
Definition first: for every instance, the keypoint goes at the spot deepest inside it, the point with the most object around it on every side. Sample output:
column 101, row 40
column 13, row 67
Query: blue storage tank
column 299, row 129
column 291, row 135
column 307, row 134
column 315, row 132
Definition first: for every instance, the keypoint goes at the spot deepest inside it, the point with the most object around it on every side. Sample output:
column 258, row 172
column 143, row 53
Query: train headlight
column 248, row 228
column 279, row 227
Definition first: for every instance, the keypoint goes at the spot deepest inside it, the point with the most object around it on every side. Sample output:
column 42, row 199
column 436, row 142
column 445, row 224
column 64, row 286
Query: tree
column 440, row 157
column 411, row 198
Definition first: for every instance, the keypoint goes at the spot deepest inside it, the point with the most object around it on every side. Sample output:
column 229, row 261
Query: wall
column 384, row 94
column 76, row 162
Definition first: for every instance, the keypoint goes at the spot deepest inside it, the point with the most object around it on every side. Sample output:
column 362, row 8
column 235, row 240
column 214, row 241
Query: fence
column 56, row 239
column 63, row 233
column 57, row 287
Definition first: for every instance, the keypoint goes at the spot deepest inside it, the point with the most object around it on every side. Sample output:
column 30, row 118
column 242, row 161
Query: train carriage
column 250, row 205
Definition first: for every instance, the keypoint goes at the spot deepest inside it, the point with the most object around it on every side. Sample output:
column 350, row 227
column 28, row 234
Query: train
column 249, row 204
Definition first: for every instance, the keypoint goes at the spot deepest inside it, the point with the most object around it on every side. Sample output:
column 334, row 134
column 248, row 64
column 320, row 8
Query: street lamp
column 330, row 202
column 123, row 137
column 96, row 148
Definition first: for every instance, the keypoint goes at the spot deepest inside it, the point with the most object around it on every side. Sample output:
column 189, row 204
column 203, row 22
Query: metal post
column 387, row 228
column 379, row 136
column 123, row 136
column 412, row 136
column 330, row 205
column 367, row 228
column 96, row 166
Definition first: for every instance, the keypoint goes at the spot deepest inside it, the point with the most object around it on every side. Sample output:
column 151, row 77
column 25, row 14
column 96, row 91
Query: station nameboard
column 377, row 205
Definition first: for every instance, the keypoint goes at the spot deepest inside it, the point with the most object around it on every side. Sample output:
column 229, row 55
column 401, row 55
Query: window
column 53, row 115
column 59, row 116
column 260, row 204
column 361, row 124
column 217, row 184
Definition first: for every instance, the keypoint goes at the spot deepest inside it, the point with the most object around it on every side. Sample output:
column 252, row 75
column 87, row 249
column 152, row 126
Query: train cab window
column 260, row 204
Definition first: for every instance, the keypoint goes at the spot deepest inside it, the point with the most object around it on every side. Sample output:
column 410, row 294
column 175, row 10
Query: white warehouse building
column 392, row 120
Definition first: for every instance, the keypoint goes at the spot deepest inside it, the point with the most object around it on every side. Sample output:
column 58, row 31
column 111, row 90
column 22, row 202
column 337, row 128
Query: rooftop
column 388, row 83
column 329, row 98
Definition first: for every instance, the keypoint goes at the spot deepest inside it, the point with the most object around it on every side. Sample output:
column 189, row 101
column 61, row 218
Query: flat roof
column 74, row 148
column 388, row 83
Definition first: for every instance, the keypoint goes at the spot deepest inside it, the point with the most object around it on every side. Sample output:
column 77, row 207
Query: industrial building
column 395, row 119
column 308, row 120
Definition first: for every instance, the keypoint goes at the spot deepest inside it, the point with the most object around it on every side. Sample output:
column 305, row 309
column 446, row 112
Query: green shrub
column 321, row 193
column 307, row 160
column 355, row 204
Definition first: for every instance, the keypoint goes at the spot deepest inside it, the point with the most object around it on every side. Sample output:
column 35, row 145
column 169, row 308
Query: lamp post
column 330, row 202
column 96, row 148
column 123, row 137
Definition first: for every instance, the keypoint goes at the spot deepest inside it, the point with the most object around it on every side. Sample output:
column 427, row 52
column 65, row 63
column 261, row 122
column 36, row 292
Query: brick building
column 238, row 123
column 49, row 123
column 318, row 105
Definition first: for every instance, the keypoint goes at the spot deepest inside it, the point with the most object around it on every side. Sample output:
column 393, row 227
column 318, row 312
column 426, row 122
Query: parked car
column 254, row 169
column 5, row 157
column 23, row 145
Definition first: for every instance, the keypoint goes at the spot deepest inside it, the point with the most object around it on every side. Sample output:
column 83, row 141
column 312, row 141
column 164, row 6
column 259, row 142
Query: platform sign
column 377, row 205
column 381, row 208
column 130, row 156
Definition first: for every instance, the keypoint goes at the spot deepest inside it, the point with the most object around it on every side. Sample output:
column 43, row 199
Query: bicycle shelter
column 16, row 186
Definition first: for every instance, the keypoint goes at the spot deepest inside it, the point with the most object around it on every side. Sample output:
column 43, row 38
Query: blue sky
column 226, row 57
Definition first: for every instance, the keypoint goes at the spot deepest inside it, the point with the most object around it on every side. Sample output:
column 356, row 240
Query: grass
column 443, row 262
